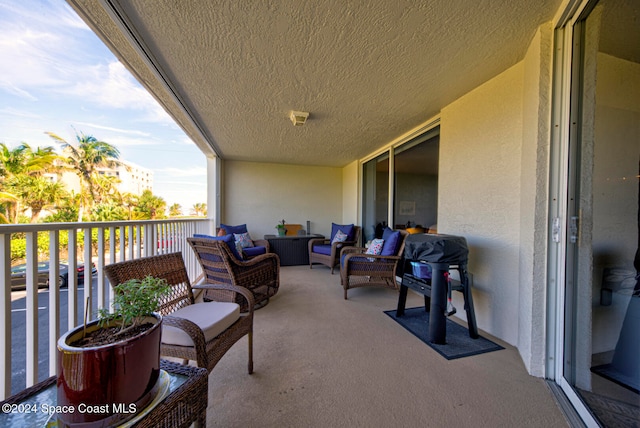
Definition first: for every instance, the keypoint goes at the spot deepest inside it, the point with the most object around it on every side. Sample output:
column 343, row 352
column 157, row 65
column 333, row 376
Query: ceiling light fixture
column 298, row 117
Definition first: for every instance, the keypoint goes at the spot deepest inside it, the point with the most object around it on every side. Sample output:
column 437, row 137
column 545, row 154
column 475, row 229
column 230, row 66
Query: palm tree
column 24, row 160
column 175, row 210
column 37, row 193
column 86, row 157
column 149, row 206
column 17, row 163
column 106, row 188
column 109, row 212
column 7, row 201
column 199, row 209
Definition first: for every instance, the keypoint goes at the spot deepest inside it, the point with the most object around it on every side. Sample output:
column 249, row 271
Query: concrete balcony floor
column 321, row 361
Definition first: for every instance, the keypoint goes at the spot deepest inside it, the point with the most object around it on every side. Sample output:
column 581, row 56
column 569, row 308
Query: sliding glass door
column 599, row 359
column 415, row 174
column 375, row 195
column 400, row 186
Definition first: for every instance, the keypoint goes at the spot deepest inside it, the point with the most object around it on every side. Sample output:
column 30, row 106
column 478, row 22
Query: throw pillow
column 340, row 236
column 375, row 247
column 242, row 228
column 244, row 239
column 391, row 242
column 344, row 228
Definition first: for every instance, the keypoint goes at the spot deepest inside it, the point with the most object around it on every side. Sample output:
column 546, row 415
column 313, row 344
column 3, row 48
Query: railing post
column 130, row 239
column 32, row 309
column 72, row 284
column 100, row 267
column 5, row 316
column 54, row 299
column 88, row 290
column 112, row 254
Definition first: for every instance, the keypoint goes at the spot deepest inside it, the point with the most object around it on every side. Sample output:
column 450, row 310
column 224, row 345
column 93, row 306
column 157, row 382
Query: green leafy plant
column 280, row 226
column 134, row 300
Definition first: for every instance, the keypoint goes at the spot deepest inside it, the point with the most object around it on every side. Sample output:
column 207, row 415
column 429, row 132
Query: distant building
column 134, row 179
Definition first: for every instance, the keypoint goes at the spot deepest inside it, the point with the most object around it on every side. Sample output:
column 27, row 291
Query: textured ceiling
column 367, row 72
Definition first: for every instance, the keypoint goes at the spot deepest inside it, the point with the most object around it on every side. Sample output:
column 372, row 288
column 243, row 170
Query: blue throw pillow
column 228, row 239
column 391, row 242
column 345, row 228
column 242, row 228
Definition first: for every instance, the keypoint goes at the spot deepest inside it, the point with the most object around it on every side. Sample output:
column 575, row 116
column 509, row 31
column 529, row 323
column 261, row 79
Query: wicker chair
column 186, row 333
column 321, row 250
column 360, row 270
column 260, row 274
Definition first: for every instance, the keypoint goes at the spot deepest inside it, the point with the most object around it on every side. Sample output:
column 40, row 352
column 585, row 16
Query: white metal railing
column 101, row 243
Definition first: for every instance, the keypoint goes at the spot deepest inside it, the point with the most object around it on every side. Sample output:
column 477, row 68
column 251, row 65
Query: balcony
column 320, row 360
column 33, row 318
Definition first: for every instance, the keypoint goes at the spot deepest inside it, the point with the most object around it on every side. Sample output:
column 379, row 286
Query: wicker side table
column 185, row 404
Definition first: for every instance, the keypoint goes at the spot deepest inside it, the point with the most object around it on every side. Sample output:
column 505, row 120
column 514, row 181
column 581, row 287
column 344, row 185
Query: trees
column 85, row 157
column 175, row 210
column 199, row 209
column 37, row 193
column 29, row 181
column 149, row 207
column 21, row 176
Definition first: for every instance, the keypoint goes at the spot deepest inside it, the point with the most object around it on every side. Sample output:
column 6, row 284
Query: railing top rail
column 44, row 227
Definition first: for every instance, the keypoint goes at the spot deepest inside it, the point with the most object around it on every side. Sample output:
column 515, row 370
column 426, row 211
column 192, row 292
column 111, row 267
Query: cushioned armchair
column 375, row 266
column 202, row 332
column 327, row 251
column 260, row 274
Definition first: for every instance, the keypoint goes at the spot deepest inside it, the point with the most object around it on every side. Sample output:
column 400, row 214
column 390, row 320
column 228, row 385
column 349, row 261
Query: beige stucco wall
column 350, row 193
column 493, row 187
column 479, row 193
column 262, row 194
column 534, row 184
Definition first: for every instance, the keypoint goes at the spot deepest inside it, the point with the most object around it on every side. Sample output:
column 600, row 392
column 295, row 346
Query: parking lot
column 18, row 331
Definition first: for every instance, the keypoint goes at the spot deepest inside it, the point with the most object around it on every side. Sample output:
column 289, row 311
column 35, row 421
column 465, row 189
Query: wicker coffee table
column 186, row 402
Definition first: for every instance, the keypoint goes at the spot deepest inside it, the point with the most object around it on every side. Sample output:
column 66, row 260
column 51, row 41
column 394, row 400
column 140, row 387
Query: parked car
column 19, row 275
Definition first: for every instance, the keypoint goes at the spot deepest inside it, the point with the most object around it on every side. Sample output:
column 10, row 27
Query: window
column 414, row 180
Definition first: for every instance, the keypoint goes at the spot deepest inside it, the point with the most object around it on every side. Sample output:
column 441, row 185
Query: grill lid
column 436, row 248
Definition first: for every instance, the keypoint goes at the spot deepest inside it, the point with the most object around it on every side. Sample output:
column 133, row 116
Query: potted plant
column 108, row 369
column 282, row 230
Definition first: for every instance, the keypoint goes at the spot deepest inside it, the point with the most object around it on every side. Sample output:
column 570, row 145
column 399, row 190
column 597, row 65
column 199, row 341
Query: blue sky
column 57, row 76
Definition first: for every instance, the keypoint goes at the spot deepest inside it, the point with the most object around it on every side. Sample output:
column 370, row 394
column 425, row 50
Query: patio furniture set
column 240, row 275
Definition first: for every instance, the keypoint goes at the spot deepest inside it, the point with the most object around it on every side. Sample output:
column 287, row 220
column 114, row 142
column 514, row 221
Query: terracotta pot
column 107, row 385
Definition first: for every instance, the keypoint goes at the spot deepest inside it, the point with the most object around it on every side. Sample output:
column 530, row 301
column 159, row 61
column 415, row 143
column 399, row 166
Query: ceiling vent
column 298, row 117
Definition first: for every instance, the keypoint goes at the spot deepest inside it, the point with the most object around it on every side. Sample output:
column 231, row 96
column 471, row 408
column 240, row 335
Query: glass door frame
column 564, row 138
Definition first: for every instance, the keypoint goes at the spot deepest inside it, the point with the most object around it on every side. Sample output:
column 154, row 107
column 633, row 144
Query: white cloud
column 119, row 130
column 111, row 86
column 19, row 113
column 43, row 58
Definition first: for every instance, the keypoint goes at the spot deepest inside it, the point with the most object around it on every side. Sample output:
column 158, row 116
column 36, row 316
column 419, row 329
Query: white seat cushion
column 212, row 317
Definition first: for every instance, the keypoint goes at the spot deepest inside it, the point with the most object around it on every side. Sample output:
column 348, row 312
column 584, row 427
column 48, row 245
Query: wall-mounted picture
column 407, row 207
